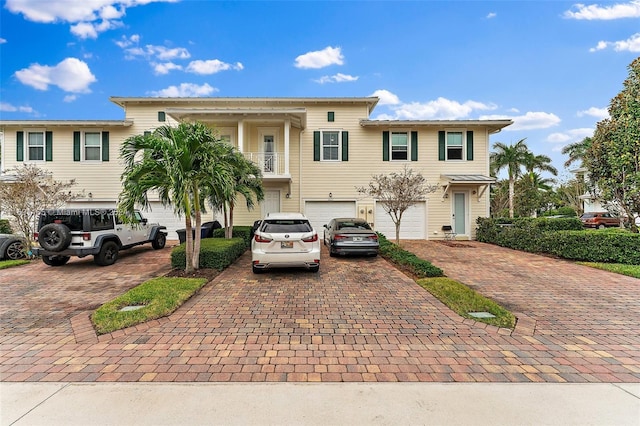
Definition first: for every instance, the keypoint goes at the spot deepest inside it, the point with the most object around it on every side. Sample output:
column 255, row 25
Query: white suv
column 63, row 233
column 284, row 240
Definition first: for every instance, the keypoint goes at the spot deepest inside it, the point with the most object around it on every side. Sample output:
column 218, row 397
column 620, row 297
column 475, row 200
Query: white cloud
column 165, row 67
column 599, row 113
column 528, row 121
column 211, row 66
column 152, row 51
column 632, row 44
column 386, row 97
column 320, row 58
column 89, row 17
column 185, row 90
column 70, row 98
column 440, row 109
column 70, row 75
column 2, row 40
column 573, row 135
column 492, row 15
column 6, row 107
column 337, row 78
column 596, row 12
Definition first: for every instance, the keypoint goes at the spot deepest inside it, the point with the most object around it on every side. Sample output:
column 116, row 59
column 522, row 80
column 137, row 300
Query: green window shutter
column 470, row 145
column 441, row 146
column 316, row 146
column 162, row 116
column 48, row 146
column 105, row 146
column 19, row 146
column 331, row 116
column 385, row 146
column 76, row 146
column 414, row 146
column 345, row 146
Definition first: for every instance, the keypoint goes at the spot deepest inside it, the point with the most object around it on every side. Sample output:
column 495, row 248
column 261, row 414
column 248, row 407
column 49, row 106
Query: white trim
column 467, row 213
column 339, row 132
column 464, row 144
column 408, row 133
column 25, row 146
column 83, row 145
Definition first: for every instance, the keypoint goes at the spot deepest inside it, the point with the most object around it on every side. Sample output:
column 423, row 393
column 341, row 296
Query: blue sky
column 551, row 66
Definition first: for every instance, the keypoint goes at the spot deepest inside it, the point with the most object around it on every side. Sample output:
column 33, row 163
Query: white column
column 241, row 136
column 287, row 127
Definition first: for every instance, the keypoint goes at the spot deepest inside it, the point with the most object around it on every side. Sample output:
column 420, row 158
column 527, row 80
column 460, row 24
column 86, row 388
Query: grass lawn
column 158, row 297
column 463, row 300
column 618, row 268
column 4, row 264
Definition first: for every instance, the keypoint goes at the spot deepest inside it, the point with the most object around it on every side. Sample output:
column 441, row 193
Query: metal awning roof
column 66, row 123
column 493, row 126
column 481, row 181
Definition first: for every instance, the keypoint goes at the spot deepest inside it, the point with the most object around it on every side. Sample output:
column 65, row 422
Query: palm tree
column 576, row 151
column 539, row 162
column 177, row 163
column 511, row 157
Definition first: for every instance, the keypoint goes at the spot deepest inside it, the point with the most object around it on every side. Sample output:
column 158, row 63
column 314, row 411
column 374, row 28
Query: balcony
column 271, row 164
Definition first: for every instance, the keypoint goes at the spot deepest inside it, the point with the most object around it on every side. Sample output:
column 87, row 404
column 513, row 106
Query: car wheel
column 54, row 237
column 601, row 226
column 314, row 268
column 15, row 251
column 108, row 254
column 160, row 240
column 55, row 260
column 256, row 270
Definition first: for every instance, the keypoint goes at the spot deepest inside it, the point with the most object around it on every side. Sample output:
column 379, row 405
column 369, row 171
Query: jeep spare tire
column 54, row 237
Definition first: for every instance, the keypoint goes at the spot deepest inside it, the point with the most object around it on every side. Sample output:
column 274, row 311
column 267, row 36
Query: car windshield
column 282, row 226
column 588, row 215
column 352, row 225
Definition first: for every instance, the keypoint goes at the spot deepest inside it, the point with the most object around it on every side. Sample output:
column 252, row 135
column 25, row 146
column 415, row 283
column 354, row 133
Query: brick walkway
column 359, row 319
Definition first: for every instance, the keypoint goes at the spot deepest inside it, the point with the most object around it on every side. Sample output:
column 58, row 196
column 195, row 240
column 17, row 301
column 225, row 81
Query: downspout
column 300, row 170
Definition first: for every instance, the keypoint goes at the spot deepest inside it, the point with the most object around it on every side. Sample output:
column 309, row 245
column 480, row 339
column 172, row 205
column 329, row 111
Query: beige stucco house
column 313, row 152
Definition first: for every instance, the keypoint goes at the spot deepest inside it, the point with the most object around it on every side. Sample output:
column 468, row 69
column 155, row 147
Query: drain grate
column 132, row 308
column 481, row 315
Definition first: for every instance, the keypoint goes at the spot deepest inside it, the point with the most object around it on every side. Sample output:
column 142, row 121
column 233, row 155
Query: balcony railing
column 270, row 163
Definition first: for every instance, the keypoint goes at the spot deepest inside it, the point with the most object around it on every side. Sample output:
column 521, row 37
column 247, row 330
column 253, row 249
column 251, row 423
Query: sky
column 550, row 66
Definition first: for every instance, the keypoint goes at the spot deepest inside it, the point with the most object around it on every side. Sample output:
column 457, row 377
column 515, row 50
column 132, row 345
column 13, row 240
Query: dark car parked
column 11, row 247
column 599, row 220
column 350, row 236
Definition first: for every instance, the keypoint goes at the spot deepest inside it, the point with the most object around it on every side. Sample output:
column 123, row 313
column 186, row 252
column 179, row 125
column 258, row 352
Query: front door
column 460, row 213
column 271, row 202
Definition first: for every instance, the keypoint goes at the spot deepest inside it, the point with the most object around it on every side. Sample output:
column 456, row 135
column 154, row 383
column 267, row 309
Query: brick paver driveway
column 359, row 319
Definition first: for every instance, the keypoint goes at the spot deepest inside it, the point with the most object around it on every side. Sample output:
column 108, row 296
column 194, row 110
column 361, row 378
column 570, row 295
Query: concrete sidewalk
column 319, row 404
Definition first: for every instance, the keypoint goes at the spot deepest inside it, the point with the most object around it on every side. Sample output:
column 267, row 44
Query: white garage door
column 321, row 212
column 412, row 227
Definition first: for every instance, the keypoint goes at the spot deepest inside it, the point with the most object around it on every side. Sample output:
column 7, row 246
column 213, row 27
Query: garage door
column 412, row 227
column 321, row 212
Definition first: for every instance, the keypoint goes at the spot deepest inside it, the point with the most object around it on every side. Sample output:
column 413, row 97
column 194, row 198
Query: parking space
column 358, row 319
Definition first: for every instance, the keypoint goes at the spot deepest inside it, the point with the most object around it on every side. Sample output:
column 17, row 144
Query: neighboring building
column 313, row 152
column 590, row 202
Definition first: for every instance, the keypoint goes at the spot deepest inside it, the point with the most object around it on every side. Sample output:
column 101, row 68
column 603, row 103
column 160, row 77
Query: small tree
column 398, row 191
column 30, row 191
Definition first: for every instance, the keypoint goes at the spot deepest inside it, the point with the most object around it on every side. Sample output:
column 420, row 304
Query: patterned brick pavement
column 358, row 319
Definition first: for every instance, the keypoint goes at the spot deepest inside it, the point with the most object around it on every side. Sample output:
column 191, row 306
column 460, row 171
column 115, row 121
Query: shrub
column 416, row 266
column 561, row 211
column 5, row 228
column 243, row 232
column 215, row 253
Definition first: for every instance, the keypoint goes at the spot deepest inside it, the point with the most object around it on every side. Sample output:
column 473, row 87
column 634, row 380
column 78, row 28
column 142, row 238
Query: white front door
column 271, row 202
column 460, row 213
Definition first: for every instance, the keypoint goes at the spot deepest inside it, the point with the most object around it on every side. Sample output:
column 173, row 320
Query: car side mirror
column 325, row 226
column 144, row 220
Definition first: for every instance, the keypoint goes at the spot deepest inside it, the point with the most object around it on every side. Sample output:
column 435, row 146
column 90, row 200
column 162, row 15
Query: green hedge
column 418, row 267
column 561, row 237
column 5, row 228
column 215, row 253
column 243, row 232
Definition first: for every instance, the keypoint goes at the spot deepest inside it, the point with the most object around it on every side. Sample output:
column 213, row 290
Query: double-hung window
column 454, row 145
column 92, row 146
column 35, row 145
column 399, row 146
column 330, row 145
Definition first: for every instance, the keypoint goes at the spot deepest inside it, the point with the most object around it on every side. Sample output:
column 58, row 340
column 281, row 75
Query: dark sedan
column 11, row 247
column 350, row 236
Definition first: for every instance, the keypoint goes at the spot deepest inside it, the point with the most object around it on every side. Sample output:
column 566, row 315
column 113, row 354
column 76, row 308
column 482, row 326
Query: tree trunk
column 397, row 233
column 198, row 237
column 511, row 195
column 188, row 249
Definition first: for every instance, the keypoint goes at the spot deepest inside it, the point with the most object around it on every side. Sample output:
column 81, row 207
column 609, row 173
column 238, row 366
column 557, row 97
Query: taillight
column 86, row 236
column 340, row 237
column 260, row 239
column 311, row 239
column 373, row 237
column 35, row 236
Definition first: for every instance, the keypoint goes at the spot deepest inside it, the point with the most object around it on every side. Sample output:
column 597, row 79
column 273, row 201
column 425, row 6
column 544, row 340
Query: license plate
column 357, row 238
column 286, row 244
